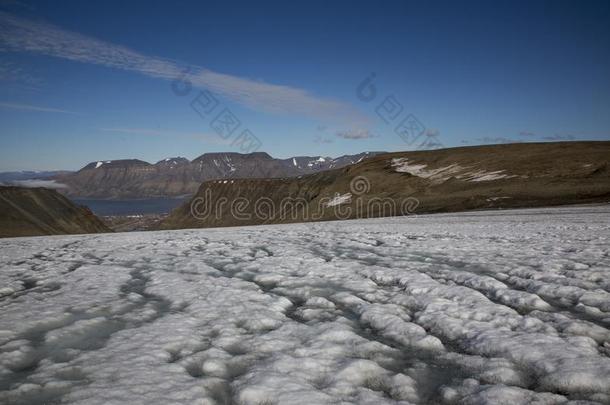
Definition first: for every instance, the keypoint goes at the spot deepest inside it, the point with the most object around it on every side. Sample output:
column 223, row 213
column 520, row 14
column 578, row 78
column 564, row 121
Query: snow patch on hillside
column 339, row 199
column 442, row 174
column 402, row 165
column 482, row 175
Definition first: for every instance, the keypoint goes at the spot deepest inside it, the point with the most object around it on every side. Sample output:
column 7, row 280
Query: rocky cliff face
column 482, row 177
column 173, row 177
column 40, row 211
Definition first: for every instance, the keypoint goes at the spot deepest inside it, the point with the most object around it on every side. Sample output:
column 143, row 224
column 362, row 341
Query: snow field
column 474, row 308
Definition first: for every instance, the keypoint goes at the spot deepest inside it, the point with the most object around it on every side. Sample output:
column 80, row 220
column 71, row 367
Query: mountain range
column 401, row 183
column 302, row 189
column 177, row 176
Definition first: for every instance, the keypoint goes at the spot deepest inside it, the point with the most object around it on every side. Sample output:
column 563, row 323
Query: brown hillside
column 480, row 177
column 41, row 211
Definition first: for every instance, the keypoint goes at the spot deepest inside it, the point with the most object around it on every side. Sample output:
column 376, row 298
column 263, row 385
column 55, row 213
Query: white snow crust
column 507, row 307
column 442, row 174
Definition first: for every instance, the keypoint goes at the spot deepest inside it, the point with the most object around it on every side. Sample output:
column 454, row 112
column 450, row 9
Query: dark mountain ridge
column 173, row 177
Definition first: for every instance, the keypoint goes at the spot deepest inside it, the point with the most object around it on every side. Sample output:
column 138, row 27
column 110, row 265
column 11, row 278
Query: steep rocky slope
column 40, row 211
column 481, row 177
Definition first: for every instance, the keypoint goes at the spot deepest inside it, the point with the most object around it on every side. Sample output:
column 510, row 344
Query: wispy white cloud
column 28, row 107
column 355, row 134
column 17, row 34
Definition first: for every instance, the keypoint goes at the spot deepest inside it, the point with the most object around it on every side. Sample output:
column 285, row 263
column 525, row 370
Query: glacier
column 489, row 307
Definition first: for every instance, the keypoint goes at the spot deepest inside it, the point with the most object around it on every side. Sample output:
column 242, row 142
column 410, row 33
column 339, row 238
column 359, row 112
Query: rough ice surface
column 504, row 307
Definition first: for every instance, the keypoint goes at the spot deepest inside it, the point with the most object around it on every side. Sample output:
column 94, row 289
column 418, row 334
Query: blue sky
column 81, row 82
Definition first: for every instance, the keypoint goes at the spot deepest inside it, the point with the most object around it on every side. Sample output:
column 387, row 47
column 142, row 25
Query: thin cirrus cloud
column 28, row 107
column 355, row 134
column 21, row 35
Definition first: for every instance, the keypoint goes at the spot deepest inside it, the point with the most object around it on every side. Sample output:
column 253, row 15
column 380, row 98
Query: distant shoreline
column 123, row 207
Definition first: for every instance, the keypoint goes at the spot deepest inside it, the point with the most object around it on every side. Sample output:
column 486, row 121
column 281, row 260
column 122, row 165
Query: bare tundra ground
column 476, row 308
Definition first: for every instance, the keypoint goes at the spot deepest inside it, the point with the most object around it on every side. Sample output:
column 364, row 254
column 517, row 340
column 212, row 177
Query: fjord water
column 131, row 207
